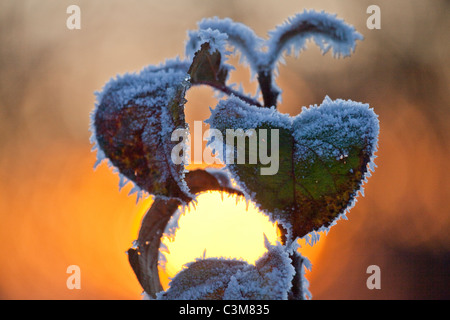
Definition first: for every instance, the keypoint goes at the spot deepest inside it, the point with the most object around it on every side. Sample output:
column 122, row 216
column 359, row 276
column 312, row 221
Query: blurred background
column 56, row 211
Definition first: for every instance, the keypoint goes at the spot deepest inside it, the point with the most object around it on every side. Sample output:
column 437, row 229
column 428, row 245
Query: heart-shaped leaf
column 323, row 156
column 133, row 122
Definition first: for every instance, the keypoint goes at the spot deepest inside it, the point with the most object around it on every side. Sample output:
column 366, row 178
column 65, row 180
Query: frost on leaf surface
column 134, row 118
column 222, row 279
column 202, row 280
column 270, row 278
column 324, row 153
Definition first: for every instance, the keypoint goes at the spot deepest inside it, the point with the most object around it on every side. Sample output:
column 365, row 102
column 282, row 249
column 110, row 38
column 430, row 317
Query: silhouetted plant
column 326, row 153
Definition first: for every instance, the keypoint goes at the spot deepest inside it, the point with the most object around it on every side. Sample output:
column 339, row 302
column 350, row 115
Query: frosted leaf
column 324, row 156
column 233, row 113
column 207, row 67
column 222, row 176
column 270, row 278
column 334, row 126
column 202, row 280
column 216, row 279
column 132, row 123
column 216, row 39
column 327, row 31
column 238, row 35
column 263, row 55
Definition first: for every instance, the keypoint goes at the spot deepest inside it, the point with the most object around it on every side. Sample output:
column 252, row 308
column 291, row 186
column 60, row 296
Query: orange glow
column 224, row 228
column 56, row 211
column 220, row 225
column 312, row 253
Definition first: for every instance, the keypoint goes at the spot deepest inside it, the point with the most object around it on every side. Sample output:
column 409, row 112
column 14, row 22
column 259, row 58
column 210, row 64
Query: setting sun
column 219, row 225
column 220, row 228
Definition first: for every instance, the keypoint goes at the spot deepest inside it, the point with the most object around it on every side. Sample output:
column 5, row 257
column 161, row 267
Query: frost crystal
column 234, row 113
column 132, row 123
column 327, row 31
column 326, row 130
column 269, row 279
column 202, row 279
column 215, row 38
column 239, row 35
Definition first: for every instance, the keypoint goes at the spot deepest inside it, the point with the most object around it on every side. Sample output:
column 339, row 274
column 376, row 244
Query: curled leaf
column 144, row 257
column 207, row 67
column 327, row 31
column 133, row 121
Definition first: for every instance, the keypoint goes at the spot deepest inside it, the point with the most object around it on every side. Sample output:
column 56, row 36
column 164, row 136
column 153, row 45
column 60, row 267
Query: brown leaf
column 206, row 67
column 133, row 123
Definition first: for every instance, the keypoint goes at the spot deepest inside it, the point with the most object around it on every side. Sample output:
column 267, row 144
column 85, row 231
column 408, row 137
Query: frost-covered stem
column 144, row 259
column 228, row 91
column 303, row 29
column 269, row 93
column 296, row 292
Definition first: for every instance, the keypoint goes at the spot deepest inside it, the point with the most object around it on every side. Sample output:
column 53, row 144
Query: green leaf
column 323, row 157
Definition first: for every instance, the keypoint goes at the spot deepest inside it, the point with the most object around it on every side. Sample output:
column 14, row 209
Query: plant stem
column 228, row 91
column 296, row 292
column 144, row 258
column 269, row 93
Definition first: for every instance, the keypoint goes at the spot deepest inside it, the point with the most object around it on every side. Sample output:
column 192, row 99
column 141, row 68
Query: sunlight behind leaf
column 224, row 228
